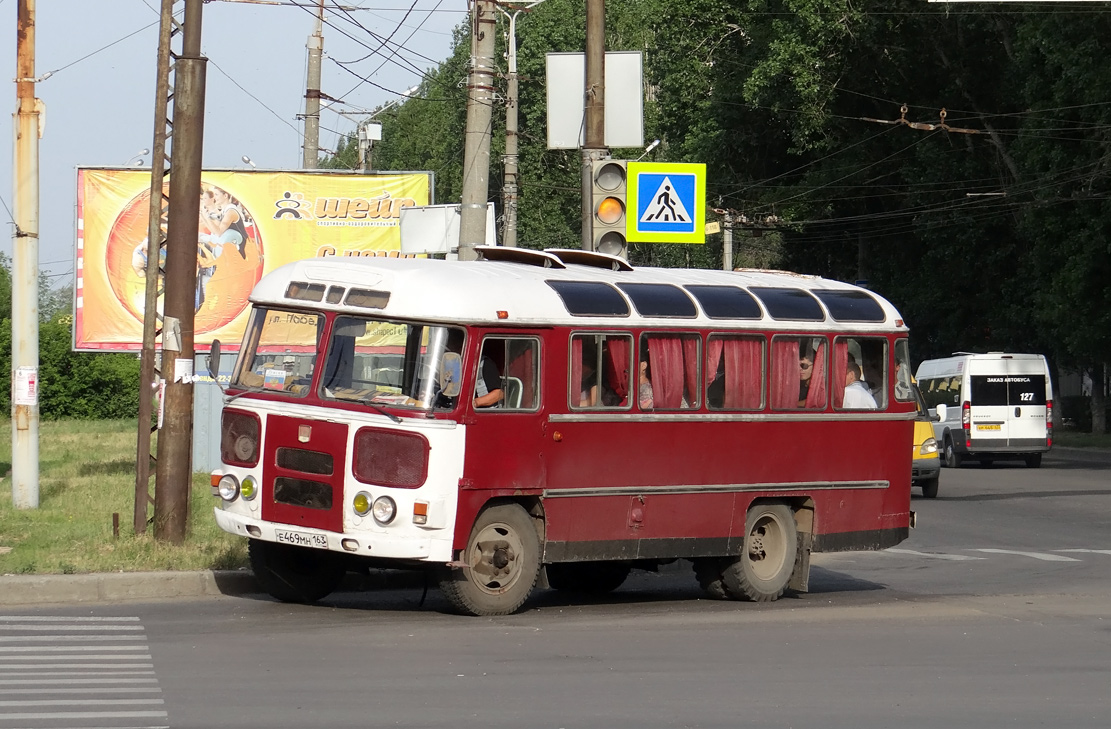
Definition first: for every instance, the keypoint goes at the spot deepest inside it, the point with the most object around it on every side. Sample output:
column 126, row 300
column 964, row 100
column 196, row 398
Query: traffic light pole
column 594, row 122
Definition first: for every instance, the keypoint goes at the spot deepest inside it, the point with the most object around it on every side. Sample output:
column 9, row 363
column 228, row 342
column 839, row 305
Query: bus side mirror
column 214, row 360
column 941, row 411
column 451, row 371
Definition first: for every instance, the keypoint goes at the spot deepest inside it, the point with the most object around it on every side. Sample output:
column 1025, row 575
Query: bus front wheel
column 294, row 574
column 952, row 458
column 768, row 556
column 503, row 563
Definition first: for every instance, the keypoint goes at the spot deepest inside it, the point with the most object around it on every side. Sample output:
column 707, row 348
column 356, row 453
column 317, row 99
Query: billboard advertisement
column 251, row 223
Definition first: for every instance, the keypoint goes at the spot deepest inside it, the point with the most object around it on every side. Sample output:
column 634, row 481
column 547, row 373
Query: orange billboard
column 251, row 223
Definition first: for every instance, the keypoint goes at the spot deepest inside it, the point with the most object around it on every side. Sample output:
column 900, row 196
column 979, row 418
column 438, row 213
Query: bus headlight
column 928, row 446
column 249, row 488
column 384, row 510
column 228, row 488
column 361, row 503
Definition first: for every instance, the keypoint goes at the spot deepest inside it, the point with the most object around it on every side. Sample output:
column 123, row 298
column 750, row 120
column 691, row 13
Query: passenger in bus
column 857, row 394
column 488, row 390
column 588, row 389
column 644, row 386
column 806, row 371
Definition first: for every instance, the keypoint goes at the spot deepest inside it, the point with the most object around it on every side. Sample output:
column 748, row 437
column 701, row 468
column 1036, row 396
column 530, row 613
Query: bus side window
column 512, row 366
column 667, row 371
column 797, row 378
column 859, row 373
column 601, row 365
column 735, row 373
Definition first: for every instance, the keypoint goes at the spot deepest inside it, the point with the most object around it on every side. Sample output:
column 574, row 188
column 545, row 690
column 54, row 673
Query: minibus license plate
column 298, row 539
column 989, row 426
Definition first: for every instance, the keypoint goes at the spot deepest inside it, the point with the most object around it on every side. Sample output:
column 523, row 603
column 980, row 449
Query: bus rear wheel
column 768, row 556
column 503, row 562
column 294, row 574
column 590, row 578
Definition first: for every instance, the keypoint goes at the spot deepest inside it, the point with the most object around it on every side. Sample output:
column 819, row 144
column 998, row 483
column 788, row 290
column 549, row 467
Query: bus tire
column 503, row 558
column 710, row 573
column 588, row 578
column 1034, row 460
column 768, row 555
column 294, row 574
column 929, row 488
column 952, row 458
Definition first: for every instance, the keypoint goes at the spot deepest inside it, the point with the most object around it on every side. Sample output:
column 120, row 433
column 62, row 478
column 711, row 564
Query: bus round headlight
column 361, row 503
column 249, row 488
column 228, row 488
column 384, row 510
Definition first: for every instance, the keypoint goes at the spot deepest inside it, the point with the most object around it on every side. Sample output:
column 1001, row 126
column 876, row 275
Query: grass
column 1070, row 439
column 87, row 473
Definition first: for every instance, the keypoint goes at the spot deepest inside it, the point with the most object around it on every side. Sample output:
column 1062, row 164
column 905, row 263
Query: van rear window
column 1008, row 389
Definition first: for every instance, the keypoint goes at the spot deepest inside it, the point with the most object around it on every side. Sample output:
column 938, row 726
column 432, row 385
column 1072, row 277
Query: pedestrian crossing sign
column 666, row 203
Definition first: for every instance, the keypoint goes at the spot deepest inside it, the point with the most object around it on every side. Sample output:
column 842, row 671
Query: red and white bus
column 561, row 417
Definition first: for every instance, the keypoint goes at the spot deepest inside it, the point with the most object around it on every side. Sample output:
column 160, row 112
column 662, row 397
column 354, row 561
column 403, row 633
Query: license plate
column 298, row 539
column 990, row 426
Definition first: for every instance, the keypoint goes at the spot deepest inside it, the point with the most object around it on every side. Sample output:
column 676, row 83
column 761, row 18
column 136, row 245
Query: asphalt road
column 996, row 613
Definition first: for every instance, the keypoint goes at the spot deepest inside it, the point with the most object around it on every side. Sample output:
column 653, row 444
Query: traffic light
column 608, row 205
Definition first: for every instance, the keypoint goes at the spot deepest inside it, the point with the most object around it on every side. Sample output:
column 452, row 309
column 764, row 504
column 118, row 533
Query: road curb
column 16, row 590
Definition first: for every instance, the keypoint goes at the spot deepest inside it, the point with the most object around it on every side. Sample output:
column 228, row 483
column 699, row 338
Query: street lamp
column 247, row 160
column 136, row 159
column 371, row 132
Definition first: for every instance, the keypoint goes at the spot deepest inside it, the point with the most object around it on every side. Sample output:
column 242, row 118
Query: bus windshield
column 367, row 360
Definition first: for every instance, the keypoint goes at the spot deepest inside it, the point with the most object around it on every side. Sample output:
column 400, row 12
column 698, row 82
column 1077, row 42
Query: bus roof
column 547, row 290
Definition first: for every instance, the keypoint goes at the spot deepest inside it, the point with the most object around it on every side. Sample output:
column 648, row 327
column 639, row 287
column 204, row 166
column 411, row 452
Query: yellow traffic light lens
column 610, row 211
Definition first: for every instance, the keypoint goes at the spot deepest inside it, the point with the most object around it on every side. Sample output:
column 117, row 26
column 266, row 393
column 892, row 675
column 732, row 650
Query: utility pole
column 25, row 268
column 149, row 375
column 509, row 183
column 727, row 243
column 476, row 150
column 175, row 443
column 594, row 122
column 312, row 93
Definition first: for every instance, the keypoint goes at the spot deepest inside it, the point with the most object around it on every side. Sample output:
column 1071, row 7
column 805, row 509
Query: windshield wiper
column 366, row 400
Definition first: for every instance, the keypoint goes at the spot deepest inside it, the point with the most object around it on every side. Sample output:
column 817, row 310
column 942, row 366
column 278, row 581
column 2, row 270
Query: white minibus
column 989, row 407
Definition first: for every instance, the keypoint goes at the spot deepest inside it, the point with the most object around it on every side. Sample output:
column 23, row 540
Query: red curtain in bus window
column 816, row 395
column 713, row 358
column 666, row 360
column 840, row 367
column 577, row 371
column 522, row 368
column 617, row 366
column 785, row 378
column 743, row 374
column 690, row 369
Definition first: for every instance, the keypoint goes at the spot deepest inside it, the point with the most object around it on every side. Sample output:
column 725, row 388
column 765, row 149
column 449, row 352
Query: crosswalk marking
column 84, row 672
column 1033, row 555
column 934, row 555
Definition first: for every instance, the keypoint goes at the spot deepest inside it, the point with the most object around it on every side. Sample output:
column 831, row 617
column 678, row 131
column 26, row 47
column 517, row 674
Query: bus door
column 506, row 431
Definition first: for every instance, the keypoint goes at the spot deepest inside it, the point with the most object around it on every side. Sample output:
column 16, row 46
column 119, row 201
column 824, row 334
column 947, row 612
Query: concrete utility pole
column 312, row 93
column 175, row 443
column 156, row 241
column 509, row 183
column 25, row 268
column 594, row 123
column 727, row 243
column 476, row 151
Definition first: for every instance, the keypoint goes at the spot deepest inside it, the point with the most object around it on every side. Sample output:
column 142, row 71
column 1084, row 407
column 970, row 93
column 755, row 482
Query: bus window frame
column 698, row 396
column 537, row 369
column 764, row 371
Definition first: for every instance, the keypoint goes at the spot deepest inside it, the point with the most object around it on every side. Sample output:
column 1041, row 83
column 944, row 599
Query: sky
column 100, row 96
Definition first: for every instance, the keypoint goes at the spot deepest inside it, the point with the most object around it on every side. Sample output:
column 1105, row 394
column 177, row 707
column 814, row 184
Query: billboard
column 251, row 223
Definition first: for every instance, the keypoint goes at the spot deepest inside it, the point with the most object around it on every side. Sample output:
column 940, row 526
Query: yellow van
column 926, row 461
